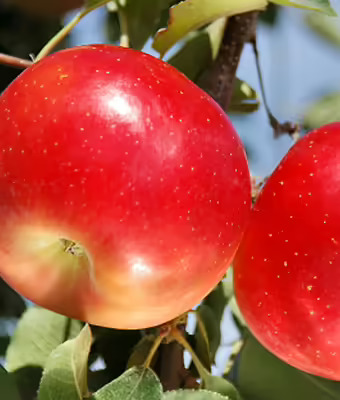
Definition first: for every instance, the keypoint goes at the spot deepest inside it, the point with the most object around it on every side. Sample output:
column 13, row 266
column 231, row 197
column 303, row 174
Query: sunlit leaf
column 220, row 385
column 190, row 15
column 199, row 50
column 193, row 395
column 316, row 5
column 134, row 384
column 65, row 374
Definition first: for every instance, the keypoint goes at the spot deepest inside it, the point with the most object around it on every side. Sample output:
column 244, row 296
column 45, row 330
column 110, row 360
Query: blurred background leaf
column 327, row 28
column 39, row 332
column 142, row 18
column 324, row 111
column 8, row 388
column 259, row 375
column 22, row 34
column 316, row 5
column 11, row 303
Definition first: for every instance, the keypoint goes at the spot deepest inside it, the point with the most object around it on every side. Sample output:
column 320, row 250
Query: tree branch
column 14, row 62
column 219, row 79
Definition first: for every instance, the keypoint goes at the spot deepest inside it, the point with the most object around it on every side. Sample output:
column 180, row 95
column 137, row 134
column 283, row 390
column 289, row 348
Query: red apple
column 287, row 269
column 124, row 188
column 47, row 7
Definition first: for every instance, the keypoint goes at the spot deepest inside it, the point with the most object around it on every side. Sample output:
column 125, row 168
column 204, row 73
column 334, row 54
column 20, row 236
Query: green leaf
column 28, row 381
column 134, row 384
column 142, row 18
column 235, row 309
column 141, row 351
column 11, row 303
column 244, row 99
column 92, row 4
column 4, row 342
column 262, row 376
column 325, row 27
column 217, row 302
column 199, row 50
column 316, row 5
column 39, row 331
column 206, row 347
column 220, row 385
column 8, row 388
column 65, row 374
column 325, row 111
column 193, row 395
column 190, row 15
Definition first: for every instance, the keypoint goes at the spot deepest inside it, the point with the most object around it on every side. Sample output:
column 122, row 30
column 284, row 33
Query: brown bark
column 218, row 80
column 14, row 62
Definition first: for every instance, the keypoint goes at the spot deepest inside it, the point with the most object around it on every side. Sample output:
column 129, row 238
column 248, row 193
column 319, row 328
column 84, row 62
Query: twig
column 124, row 30
column 14, row 62
column 171, row 366
column 219, row 79
column 279, row 128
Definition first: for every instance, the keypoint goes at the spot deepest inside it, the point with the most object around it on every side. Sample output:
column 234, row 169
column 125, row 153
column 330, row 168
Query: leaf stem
column 176, row 334
column 279, row 128
column 62, row 34
column 153, row 350
column 201, row 326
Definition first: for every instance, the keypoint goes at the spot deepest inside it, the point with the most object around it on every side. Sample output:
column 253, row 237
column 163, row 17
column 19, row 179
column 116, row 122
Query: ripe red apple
column 124, row 188
column 49, row 7
column 287, row 269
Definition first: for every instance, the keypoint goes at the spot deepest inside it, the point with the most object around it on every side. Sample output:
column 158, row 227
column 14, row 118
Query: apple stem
column 61, row 35
column 177, row 335
column 153, row 350
column 14, row 62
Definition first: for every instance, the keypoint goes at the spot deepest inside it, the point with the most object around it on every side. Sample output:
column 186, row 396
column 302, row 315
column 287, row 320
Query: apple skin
column 122, row 154
column 47, row 8
column 287, row 269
